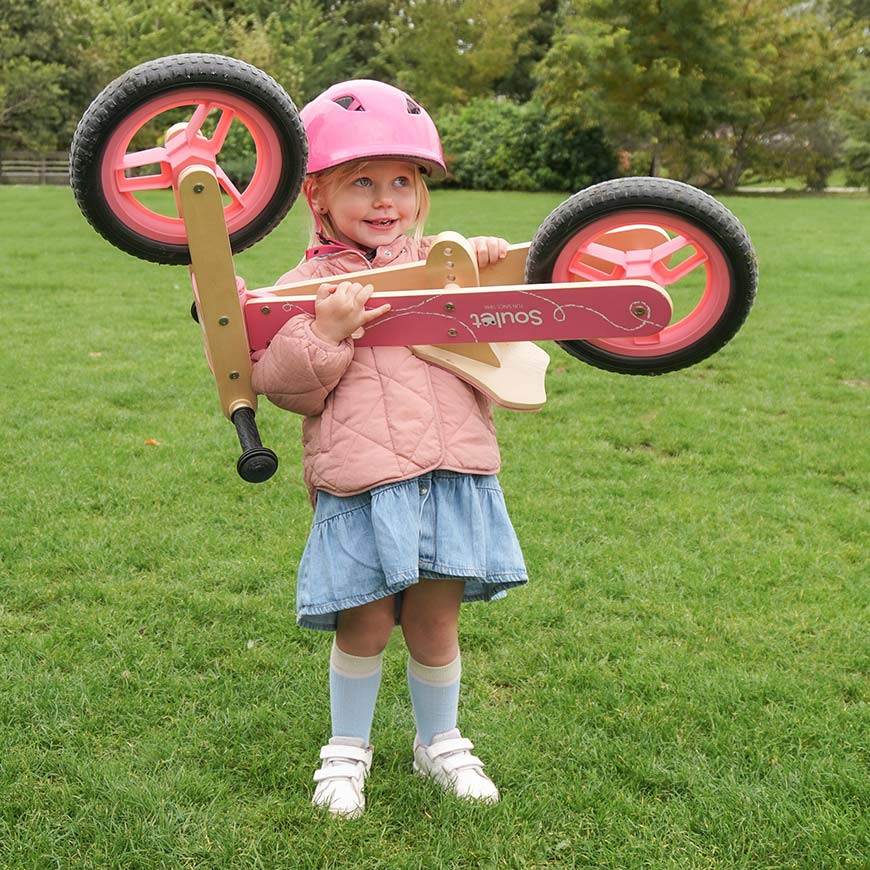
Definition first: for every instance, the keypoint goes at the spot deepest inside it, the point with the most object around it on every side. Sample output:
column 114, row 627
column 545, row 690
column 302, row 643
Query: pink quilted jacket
column 373, row 415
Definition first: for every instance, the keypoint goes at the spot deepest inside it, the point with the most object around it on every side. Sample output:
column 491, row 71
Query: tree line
column 529, row 94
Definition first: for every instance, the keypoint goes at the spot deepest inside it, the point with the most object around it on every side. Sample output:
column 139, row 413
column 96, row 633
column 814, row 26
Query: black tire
column 155, row 79
column 669, row 199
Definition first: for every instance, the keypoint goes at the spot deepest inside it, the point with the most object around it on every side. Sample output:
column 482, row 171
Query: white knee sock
column 353, row 689
column 435, row 696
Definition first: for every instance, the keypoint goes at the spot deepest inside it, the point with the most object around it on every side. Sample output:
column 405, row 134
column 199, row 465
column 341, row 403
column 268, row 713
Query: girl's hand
column 340, row 312
column 489, row 249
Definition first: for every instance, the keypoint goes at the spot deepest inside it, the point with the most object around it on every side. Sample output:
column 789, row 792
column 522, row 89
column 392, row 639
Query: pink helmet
column 364, row 118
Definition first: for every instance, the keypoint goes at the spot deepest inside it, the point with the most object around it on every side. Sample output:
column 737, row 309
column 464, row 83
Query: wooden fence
column 25, row 167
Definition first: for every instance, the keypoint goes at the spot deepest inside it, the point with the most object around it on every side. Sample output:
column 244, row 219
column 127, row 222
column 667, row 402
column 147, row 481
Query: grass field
column 684, row 682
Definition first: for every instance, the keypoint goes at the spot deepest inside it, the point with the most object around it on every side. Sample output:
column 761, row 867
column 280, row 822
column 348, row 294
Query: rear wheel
column 659, row 230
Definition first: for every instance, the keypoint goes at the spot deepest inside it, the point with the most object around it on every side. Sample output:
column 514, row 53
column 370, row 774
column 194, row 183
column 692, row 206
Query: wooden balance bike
column 634, row 275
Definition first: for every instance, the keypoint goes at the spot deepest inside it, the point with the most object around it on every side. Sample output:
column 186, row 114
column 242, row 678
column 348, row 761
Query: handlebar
column 257, row 463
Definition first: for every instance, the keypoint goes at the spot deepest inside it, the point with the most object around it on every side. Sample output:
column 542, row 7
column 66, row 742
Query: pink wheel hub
column 656, row 246
column 185, row 148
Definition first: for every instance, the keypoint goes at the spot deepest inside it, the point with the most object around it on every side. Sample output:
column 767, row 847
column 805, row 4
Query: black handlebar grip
column 257, row 463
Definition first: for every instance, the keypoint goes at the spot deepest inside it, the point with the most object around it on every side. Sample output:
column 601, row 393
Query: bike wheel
column 214, row 107
column 659, row 230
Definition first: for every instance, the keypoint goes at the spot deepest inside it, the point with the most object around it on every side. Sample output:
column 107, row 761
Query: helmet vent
column 349, row 102
column 413, row 108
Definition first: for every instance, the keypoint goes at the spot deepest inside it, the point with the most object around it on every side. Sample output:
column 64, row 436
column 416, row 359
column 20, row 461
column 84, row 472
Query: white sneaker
column 448, row 760
column 341, row 778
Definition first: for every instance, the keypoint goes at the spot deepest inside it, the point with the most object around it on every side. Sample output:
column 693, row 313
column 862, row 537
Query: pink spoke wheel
column 659, row 230
column 152, row 122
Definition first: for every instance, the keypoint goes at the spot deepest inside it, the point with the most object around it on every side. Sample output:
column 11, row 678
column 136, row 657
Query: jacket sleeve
column 299, row 370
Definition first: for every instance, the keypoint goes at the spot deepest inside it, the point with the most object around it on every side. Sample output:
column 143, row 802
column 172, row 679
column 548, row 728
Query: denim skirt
column 441, row 525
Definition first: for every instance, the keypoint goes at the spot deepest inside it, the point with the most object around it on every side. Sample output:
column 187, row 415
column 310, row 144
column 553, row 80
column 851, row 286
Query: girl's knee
column 433, row 639
column 365, row 630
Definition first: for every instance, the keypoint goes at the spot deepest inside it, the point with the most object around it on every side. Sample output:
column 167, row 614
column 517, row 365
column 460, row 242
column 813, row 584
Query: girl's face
column 372, row 206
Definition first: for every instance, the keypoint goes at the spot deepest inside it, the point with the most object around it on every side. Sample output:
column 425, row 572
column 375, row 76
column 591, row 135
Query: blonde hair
column 329, row 180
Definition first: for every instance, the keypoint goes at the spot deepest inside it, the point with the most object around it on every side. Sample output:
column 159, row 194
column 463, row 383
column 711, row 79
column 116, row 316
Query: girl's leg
column 430, row 621
column 355, row 666
column 354, row 679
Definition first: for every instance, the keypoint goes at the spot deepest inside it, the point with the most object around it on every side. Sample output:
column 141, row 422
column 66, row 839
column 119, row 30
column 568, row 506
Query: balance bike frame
column 445, row 308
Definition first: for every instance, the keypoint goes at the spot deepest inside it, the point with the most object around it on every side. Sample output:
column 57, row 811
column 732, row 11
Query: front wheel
column 662, row 231
column 176, row 111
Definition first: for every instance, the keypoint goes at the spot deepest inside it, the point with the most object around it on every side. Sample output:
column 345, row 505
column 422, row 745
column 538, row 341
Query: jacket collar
column 327, row 247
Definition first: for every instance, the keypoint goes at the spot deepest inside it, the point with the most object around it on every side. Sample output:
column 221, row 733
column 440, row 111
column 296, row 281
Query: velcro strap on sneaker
column 461, row 762
column 338, row 771
column 353, row 753
column 445, row 747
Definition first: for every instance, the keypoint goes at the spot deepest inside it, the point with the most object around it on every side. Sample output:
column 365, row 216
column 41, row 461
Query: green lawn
column 684, row 682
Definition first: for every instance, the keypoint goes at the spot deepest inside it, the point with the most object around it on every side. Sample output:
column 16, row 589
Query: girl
column 400, row 456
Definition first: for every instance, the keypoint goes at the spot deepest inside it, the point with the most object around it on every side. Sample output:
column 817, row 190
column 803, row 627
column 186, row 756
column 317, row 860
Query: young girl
column 400, row 456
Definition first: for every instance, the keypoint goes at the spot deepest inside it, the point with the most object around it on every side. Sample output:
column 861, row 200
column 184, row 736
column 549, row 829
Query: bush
column 497, row 144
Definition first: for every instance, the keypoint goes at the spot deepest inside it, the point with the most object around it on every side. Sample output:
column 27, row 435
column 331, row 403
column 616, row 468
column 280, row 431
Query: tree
column 501, row 41
column 640, row 69
column 31, row 103
column 533, row 44
column 855, row 124
column 794, row 72
column 445, row 52
column 853, row 11
column 46, row 70
column 364, row 25
column 304, row 45
column 422, row 50
column 854, row 113
column 706, row 90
